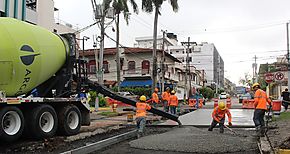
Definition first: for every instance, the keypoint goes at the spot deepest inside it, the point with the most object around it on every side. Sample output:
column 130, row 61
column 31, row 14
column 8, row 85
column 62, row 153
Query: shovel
column 230, row 129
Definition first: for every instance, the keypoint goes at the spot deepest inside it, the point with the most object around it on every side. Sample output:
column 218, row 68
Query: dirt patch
column 279, row 136
column 58, row 144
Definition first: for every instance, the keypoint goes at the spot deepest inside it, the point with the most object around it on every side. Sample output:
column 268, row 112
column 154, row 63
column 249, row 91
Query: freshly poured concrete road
column 202, row 117
column 195, row 140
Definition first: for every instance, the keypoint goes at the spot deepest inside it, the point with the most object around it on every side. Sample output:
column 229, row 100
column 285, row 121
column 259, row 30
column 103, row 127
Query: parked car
column 244, row 96
column 223, row 95
column 128, row 95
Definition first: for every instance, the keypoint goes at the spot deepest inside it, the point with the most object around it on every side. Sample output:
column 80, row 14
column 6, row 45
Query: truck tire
column 69, row 120
column 42, row 122
column 11, row 123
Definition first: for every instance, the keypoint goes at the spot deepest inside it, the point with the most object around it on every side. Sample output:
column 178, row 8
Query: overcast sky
column 240, row 29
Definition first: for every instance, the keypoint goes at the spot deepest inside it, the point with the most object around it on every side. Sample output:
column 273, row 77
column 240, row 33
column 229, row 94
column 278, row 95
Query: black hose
column 107, row 92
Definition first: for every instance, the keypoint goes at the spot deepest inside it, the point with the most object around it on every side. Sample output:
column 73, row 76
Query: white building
column 205, row 58
column 38, row 12
column 147, row 42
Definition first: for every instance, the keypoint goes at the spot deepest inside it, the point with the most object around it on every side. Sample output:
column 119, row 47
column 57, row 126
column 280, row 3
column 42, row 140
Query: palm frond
column 174, row 5
column 106, row 4
column 147, row 5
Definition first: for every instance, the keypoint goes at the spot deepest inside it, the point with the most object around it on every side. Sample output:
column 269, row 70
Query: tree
column 150, row 6
column 247, row 80
column 121, row 6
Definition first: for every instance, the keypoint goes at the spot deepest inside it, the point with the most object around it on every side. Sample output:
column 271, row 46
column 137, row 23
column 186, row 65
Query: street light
column 85, row 38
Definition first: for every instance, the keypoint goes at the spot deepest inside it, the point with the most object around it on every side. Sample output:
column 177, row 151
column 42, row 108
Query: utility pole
column 188, row 45
column 102, row 44
column 187, row 69
column 162, row 61
column 218, row 76
column 117, row 52
column 96, row 55
column 255, row 76
column 288, row 58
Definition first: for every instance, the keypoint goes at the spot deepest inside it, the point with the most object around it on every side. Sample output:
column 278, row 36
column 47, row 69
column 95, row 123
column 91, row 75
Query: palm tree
column 121, row 6
column 149, row 6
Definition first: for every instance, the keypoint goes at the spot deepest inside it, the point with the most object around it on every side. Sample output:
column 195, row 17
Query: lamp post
column 85, row 38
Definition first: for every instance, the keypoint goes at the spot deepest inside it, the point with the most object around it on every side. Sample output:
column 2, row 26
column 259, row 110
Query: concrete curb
column 102, row 144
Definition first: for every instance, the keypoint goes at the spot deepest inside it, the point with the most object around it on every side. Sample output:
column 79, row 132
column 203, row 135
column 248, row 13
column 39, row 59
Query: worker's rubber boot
column 258, row 131
column 263, row 131
column 221, row 130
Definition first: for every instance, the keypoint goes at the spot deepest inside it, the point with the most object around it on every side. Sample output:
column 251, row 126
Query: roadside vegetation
column 109, row 114
column 283, row 116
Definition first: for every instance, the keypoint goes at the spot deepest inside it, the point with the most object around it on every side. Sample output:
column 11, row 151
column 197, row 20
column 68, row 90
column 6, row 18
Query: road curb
column 102, row 144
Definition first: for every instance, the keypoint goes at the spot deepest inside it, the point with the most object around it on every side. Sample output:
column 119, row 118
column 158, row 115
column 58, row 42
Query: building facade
column 205, row 58
column 135, row 66
column 37, row 12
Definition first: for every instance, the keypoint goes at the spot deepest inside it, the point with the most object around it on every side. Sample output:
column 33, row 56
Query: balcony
column 171, row 76
column 137, row 73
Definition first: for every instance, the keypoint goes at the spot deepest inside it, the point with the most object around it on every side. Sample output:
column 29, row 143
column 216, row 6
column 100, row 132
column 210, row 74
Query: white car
column 223, row 96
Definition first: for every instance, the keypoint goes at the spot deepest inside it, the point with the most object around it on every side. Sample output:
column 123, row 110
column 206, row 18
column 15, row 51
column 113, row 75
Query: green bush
column 207, row 92
column 93, row 98
column 137, row 90
column 102, row 100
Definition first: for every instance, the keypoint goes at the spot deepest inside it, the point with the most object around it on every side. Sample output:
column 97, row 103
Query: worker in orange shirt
column 218, row 116
column 165, row 99
column 141, row 108
column 260, row 102
column 155, row 98
column 173, row 102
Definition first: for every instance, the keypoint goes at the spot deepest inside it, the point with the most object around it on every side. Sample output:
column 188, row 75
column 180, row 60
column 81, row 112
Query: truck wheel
column 42, row 122
column 11, row 123
column 69, row 120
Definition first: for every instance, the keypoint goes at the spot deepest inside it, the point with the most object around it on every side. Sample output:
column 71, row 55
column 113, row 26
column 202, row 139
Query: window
column 177, row 51
column 54, row 30
column 131, row 67
column 92, row 68
column 183, row 51
column 31, row 4
column 2, row 14
column 145, row 67
column 189, row 59
column 106, row 66
column 190, row 51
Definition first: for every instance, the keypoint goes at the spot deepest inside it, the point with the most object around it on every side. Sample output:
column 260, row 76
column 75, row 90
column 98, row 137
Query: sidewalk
column 102, row 124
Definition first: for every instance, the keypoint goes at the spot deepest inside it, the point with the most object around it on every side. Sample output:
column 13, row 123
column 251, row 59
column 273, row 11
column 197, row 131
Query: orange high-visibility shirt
column 155, row 97
column 261, row 100
column 173, row 100
column 141, row 109
column 166, row 96
column 219, row 114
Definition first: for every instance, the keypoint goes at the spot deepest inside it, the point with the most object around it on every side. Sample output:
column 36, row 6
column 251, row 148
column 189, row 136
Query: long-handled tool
column 230, row 129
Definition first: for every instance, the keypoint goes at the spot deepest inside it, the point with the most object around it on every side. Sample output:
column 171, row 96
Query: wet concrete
column 202, row 117
column 195, row 140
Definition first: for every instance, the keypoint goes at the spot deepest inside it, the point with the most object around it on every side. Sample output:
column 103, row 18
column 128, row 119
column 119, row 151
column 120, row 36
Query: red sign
column 269, row 77
column 279, row 76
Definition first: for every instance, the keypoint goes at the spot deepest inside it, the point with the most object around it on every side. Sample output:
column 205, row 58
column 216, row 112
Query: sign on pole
column 269, row 77
column 279, row 76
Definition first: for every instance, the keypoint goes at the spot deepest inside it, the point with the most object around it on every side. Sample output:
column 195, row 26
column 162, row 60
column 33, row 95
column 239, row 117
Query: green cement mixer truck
column 39, row 81
column 39, row 76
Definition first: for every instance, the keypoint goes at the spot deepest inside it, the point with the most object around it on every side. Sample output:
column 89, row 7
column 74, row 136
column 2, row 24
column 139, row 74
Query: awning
column 136, row 83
